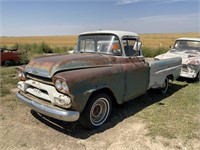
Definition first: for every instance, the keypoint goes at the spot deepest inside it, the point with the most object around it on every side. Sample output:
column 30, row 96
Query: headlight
column 61, row 85
column 65, row 86
column 21, row 74
column 192, row 67
column 58, row 84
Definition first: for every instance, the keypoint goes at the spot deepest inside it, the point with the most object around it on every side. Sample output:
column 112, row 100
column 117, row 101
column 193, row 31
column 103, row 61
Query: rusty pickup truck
column 106, row 66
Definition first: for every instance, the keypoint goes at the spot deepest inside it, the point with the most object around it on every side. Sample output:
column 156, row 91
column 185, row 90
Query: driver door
column 137, row 70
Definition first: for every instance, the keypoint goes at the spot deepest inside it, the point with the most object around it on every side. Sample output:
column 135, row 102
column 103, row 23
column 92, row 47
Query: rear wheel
column 165, row 86
column 197, row 77
column 96, row 112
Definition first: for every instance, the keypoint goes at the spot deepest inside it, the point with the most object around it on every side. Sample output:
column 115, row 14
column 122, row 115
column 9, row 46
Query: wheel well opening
column 2, row 63
column 170, row 77
column 198, row 74
column 106, row 91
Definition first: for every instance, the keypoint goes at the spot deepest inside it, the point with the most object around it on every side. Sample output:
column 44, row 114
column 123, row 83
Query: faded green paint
column 137, row 79
column 83, row 82
column 85, row 73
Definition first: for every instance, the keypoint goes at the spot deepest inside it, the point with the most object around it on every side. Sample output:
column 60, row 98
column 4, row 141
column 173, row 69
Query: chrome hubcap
column 99, row 111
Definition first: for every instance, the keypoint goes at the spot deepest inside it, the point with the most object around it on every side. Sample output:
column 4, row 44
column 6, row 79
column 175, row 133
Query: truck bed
column 160, row 69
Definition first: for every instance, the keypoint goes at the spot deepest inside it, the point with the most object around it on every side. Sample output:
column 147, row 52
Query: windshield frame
column 188, row 48
column 99, row 42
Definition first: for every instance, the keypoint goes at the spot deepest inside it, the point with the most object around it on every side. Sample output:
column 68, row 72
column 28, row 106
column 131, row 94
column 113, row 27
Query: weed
column 34, row 49
column 4, row 91
column 152, row 52
column 8, row 80
column 45, row 48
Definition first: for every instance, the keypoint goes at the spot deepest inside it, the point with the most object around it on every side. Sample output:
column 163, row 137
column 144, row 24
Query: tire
column 9, row 63
column 165, row 86
column 96, row 112
column 197, row 77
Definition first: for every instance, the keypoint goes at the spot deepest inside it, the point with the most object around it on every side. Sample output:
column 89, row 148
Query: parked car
column 10, row 56
column 106, row 66
column 189, row 50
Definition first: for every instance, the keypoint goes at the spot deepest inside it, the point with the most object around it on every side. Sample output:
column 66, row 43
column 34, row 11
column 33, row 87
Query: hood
column 186, row 55
column 47, row 66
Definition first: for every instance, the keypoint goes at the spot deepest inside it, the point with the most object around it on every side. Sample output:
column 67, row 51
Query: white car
column 189, row 50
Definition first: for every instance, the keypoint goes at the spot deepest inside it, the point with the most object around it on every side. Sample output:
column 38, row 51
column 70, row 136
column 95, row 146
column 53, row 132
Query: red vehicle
column 9, row 56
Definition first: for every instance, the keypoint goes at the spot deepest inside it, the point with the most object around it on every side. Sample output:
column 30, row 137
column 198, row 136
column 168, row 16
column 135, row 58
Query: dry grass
column 69, row 40
column 148, row 40
column 164, row 40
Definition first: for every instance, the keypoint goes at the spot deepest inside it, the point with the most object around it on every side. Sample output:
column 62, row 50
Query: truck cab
column 123, row 49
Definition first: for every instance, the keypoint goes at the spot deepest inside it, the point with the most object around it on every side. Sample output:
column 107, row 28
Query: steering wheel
column 116, row 51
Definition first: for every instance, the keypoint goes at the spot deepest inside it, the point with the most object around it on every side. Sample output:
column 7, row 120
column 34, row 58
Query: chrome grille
column 38, row 93
column 40, row 79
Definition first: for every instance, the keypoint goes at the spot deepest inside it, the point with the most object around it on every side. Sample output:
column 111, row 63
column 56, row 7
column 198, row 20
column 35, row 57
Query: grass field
column 148, row 40
column 176, row 114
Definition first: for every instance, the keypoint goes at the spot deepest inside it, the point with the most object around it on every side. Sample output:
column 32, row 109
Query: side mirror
column 137, row 46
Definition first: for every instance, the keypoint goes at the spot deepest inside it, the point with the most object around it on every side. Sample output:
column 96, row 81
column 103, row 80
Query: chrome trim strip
column 53, row 112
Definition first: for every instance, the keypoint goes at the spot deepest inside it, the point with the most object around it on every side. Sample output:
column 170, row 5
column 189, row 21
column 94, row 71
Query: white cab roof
column 120, row 34
column 189, row 39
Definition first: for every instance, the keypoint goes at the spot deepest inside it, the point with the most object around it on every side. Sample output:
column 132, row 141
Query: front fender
column 83, row 82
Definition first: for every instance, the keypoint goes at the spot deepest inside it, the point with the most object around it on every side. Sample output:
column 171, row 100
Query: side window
column 87, row 45
column 130, row 47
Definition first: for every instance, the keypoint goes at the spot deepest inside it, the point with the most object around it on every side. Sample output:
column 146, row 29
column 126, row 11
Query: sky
column 71, row 17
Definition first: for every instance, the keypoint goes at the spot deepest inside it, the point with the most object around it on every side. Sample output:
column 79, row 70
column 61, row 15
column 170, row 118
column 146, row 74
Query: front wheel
column 96, row 112
column 165, row 86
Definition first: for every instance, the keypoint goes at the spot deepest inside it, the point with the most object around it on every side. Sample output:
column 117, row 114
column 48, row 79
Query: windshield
column 183, row 45
column 103, row 44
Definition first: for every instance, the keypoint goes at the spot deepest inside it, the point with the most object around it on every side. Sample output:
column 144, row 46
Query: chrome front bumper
column 51, row 111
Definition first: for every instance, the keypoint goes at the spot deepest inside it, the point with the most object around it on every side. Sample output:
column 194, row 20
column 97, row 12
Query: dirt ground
column 22, row 128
